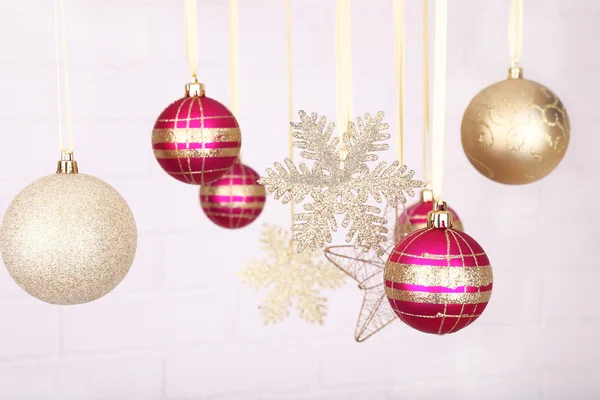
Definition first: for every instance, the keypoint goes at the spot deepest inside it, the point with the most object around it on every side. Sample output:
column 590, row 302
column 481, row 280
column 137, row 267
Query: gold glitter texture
column 340, row 187
column 515, row 131
column 196, row 135
column 68, row 238
column 233, row 190
column 438, row 298
column 450, row 277
column 292, row 279
column 197, row 153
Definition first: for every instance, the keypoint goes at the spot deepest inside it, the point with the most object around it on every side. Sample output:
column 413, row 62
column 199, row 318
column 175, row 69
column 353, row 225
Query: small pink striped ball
column 235, row 200
column 196, row 140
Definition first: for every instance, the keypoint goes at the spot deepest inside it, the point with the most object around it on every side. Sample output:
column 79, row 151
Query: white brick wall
column 181, row 326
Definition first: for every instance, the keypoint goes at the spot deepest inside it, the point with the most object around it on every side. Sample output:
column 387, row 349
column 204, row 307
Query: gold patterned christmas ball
column 68, row 238
column 515, row 131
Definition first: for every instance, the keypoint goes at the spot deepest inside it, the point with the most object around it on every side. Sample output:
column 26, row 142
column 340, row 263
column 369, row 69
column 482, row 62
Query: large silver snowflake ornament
column 340, row 185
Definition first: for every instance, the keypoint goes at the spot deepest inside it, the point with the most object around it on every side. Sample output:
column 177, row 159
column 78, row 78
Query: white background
column 181, row 325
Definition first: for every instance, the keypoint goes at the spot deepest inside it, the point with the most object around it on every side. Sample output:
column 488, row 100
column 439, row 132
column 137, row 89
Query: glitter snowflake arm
column 327, row 277
column 256, row 275
column 367, row 228
column 291, row 183
column 393, row 183
column 315, row 139
column 312, row 307
column 312, row 227
column 275, row 306
column 362, row 138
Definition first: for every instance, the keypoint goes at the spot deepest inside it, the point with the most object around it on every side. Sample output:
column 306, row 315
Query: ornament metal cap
column 440, row 217
column 515, row 73
column 426, row 195
column 67, row 165
column 194, row 88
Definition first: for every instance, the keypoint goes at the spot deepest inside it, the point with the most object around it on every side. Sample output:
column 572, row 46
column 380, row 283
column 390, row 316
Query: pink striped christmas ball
column 438, row 280
column 415, row 216
column 196, row 140
column 234, row 200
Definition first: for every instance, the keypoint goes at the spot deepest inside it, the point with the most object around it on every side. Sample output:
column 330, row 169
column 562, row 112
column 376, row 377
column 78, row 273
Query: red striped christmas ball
column 438, row 280
column 234, row 200
column 415, row 216
column 196, row 140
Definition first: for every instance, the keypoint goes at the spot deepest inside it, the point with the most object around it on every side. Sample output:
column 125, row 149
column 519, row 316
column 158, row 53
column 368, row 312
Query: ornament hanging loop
column 59, row 19
column 438, row 137
column 343, row 75
column 515, row 32
column 190, row 11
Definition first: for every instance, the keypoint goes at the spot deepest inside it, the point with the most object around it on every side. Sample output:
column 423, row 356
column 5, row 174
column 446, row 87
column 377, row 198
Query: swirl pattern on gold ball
column 515, row 131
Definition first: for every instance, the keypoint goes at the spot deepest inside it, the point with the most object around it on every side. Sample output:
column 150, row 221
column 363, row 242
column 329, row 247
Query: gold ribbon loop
column 515, row 32
column 343, row 63
column 398, row 14
column 426, row 103
column 234, row 57
column 439, row 98
column 191, row 34
column 63, row 35
column 288, row 41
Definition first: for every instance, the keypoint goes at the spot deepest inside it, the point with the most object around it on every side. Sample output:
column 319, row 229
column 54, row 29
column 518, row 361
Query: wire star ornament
column 294, row 280
column 367, row 269
column 340, row 187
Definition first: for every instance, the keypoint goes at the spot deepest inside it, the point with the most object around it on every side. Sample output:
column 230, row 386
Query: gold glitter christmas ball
column 68, row 238
column 515, row 131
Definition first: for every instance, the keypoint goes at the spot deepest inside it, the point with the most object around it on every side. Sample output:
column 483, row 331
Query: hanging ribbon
column 398, row 17
column 63, row 35
column 515, row 32
column 234, row 56
column 426, row 104
column 191, row 35
column 343, row 62
column 290, row 111
column 440, row 43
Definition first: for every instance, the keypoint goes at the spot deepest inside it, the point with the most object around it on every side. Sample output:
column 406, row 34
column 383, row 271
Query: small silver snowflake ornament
column 339, row 186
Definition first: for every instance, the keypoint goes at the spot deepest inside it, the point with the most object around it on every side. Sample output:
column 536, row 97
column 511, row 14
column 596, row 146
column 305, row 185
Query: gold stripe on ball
column 197, row 153
column 233, row 190
column 237, row 204
column 429, row 256
column 438, row 315
column 196, row 135
column 198, row 172
column 438, row 298
column 228, row 215
column 429, row 275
